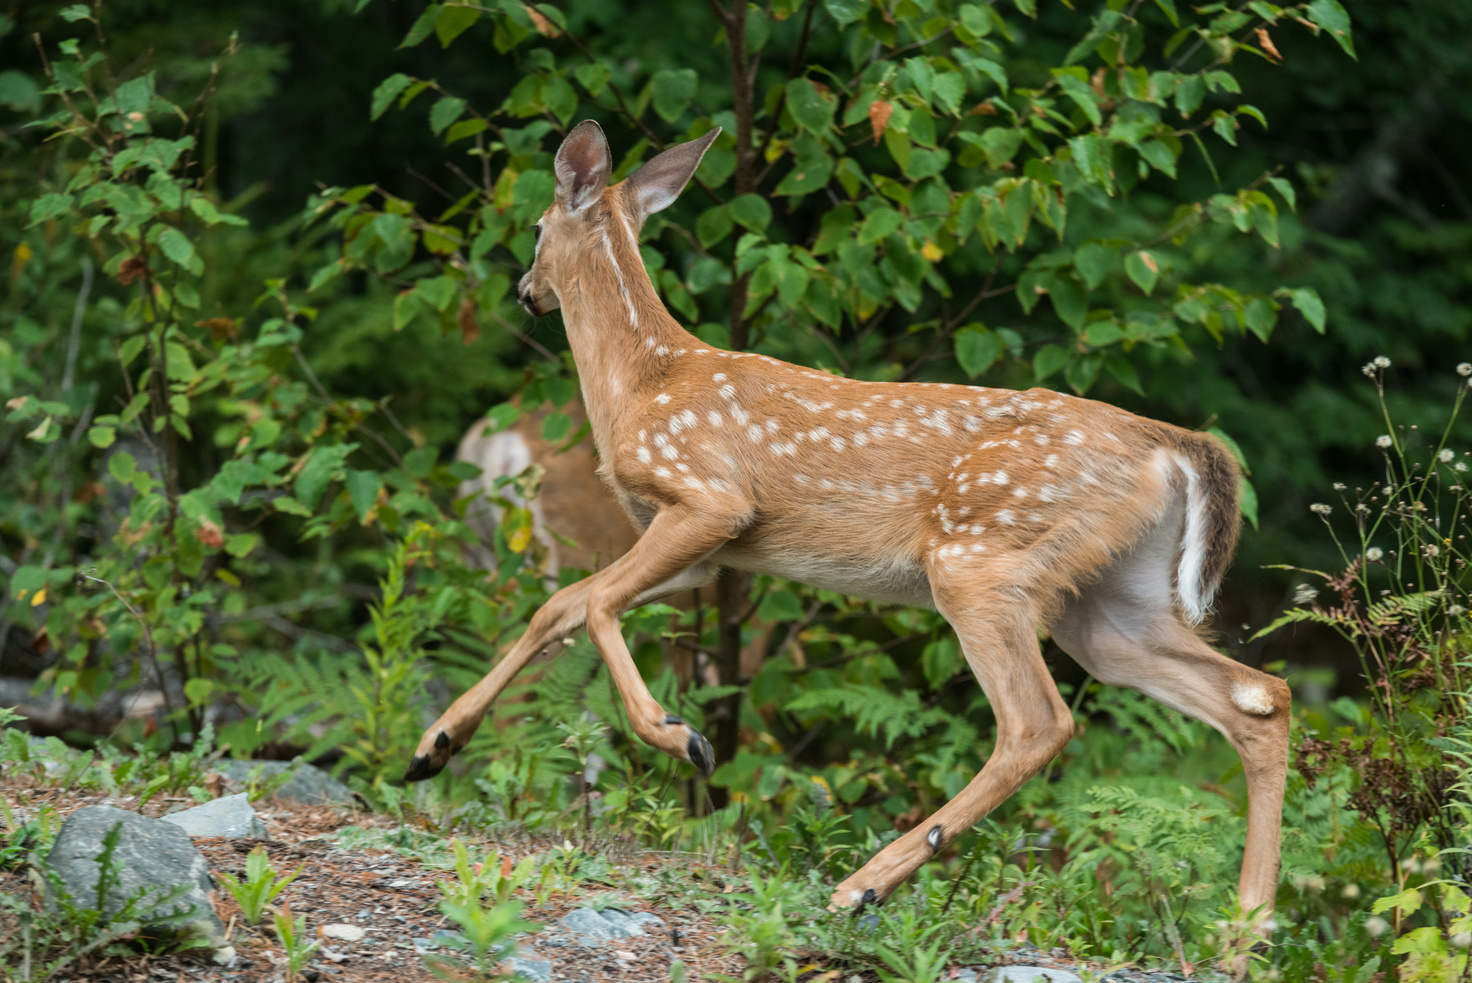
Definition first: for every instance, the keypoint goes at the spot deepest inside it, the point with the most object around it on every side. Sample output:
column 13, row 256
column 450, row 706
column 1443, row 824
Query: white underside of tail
column 1195, row 596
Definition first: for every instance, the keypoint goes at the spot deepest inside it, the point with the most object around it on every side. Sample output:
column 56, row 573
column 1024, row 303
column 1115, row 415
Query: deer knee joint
column 1265, row 696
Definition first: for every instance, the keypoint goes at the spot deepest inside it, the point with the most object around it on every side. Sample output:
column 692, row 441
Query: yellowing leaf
column 39, row 599
column 931, row 252
column 879, row 113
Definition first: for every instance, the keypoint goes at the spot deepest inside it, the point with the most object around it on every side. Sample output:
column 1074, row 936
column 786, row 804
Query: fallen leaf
column 210, row 534
column 540, row 20
column 132, row 268
column 1266, row 40
column 879, row 113
column 469, row 327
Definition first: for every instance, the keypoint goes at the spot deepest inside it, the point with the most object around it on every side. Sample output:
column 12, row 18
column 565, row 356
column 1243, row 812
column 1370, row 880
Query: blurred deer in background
column 1004, row 510
column 579, row 508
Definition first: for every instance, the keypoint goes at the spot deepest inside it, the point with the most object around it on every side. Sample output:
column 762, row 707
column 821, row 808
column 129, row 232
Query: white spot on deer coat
column 1252, row 698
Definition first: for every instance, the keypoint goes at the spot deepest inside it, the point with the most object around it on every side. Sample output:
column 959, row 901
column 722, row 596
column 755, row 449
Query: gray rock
column 531, row 966
column 1028, row 974
column 309, row 784
column 151, row 855
column 607, row 925
column 230, row 817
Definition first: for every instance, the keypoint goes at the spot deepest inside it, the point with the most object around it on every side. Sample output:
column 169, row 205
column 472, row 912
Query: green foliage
column 297, row 943
column 260, row 888
column 486, row 938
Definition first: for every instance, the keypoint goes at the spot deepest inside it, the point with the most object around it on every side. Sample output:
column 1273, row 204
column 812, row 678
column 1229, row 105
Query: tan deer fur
column 1004, row 510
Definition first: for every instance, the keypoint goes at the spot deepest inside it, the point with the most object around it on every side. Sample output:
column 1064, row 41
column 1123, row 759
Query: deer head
column 585, row 206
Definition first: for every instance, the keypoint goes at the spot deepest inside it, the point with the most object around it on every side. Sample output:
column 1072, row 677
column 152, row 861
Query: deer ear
column 582, row 166
column 659, row 182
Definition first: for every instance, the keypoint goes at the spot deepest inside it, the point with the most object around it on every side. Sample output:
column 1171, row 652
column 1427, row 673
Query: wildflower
column 1376, row 926
column 1464, row 369
column 1456, row 610
column 1339, row 486
column 1460, row 466
column 1374, row 553
column 1383, row 440
column 1362, row 509
column 1350, row 892
column 1445, row 457
column 1319, row 508
column 1368, row 369
column 1304, row 593
column 1381, row 362
column 1431, row 551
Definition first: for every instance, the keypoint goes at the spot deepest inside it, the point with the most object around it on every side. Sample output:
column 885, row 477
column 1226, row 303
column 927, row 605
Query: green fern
column 874, row 711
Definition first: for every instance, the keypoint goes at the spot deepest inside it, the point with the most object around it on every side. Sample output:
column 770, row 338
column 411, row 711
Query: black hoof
column 701, row 754
column 422, row 768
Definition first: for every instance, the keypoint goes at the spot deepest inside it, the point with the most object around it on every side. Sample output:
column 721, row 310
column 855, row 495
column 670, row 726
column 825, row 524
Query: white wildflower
column 1464, row 369
column 1446, row 455
column 1374, row 554
column 1381, row 362
column 1305, row 593
column 1456, row 610
column 1368, row 369
column 1383, row 440
column 1431, row 551
column 1376, row 926
column 1350, row 892
column 1319, row 508
column 1460, row 466
column 1339, row 486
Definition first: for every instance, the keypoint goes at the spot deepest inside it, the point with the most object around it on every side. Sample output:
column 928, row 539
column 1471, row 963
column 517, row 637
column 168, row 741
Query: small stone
column 230, row 817
column 531, row 966
column 424, row 945
column 344, row 933
column 152, row 856
column 309, row 784
column 224, row 956
column 966, row 975
column 624, row 954
column 333, row 955
column 1029, row 974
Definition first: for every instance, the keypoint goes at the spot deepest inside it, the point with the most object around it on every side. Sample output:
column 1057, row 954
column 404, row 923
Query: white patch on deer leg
column 1252, row 698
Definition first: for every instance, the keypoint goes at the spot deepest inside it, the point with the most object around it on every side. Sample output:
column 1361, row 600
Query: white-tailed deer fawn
column 1004, row 510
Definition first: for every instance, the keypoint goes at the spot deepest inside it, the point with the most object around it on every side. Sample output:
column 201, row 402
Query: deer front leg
column 562, row 615
column 678, row 539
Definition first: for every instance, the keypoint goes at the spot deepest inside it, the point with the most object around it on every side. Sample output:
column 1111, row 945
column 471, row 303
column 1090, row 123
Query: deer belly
column 893, row 579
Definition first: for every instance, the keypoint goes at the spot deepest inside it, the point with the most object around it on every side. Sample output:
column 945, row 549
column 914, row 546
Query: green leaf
column 130, row 349
column 1333, row 18
column 363, row 489
column 556, row 427
column 881, row 223
column 422, row 27
column 1189, row 93
column 1143, row 269
column 322, row 464
column 289, row 505
column 1093, row 261
column 1081, row 373
column 1070, row 300
column 388, row 90
column 672, row 91
column 845, row 12
column 122, row 466
column 102, row 436
column 1260, row 317
column 49, row 207
column 713, row 225
column 1285, row 189
column 810, row 108
column 1247, row 500
column 1306, row 299
column 19, row 92
column 444, row 112
column 752, row 211
column 977, row 349
column 560, row 98
column 198, row 690
column 176, row 246
column 76, row 12
column 454, row 21
column 1048, row 360
column 593, row 77
column 465, row 128
column 1121, row 369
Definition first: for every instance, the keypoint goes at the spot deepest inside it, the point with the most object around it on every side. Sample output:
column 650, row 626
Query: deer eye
column 537, row 231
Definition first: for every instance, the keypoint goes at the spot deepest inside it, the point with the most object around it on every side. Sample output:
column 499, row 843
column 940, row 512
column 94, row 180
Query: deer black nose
column 524, row 297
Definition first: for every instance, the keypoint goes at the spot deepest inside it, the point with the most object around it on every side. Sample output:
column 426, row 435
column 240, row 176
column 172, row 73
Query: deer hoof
column 424, row 766
column 701, row 754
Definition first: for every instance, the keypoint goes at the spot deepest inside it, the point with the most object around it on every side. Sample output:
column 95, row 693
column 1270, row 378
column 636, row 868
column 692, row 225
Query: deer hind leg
column 1130, row 637
column 997, row 634
column 563, row 615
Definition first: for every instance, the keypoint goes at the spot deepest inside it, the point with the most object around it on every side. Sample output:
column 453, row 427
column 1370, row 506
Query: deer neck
column 621, row 336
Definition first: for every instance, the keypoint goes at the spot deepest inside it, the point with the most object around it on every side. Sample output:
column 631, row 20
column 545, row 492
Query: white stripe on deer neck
column 633, row 240
column 623, row 290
